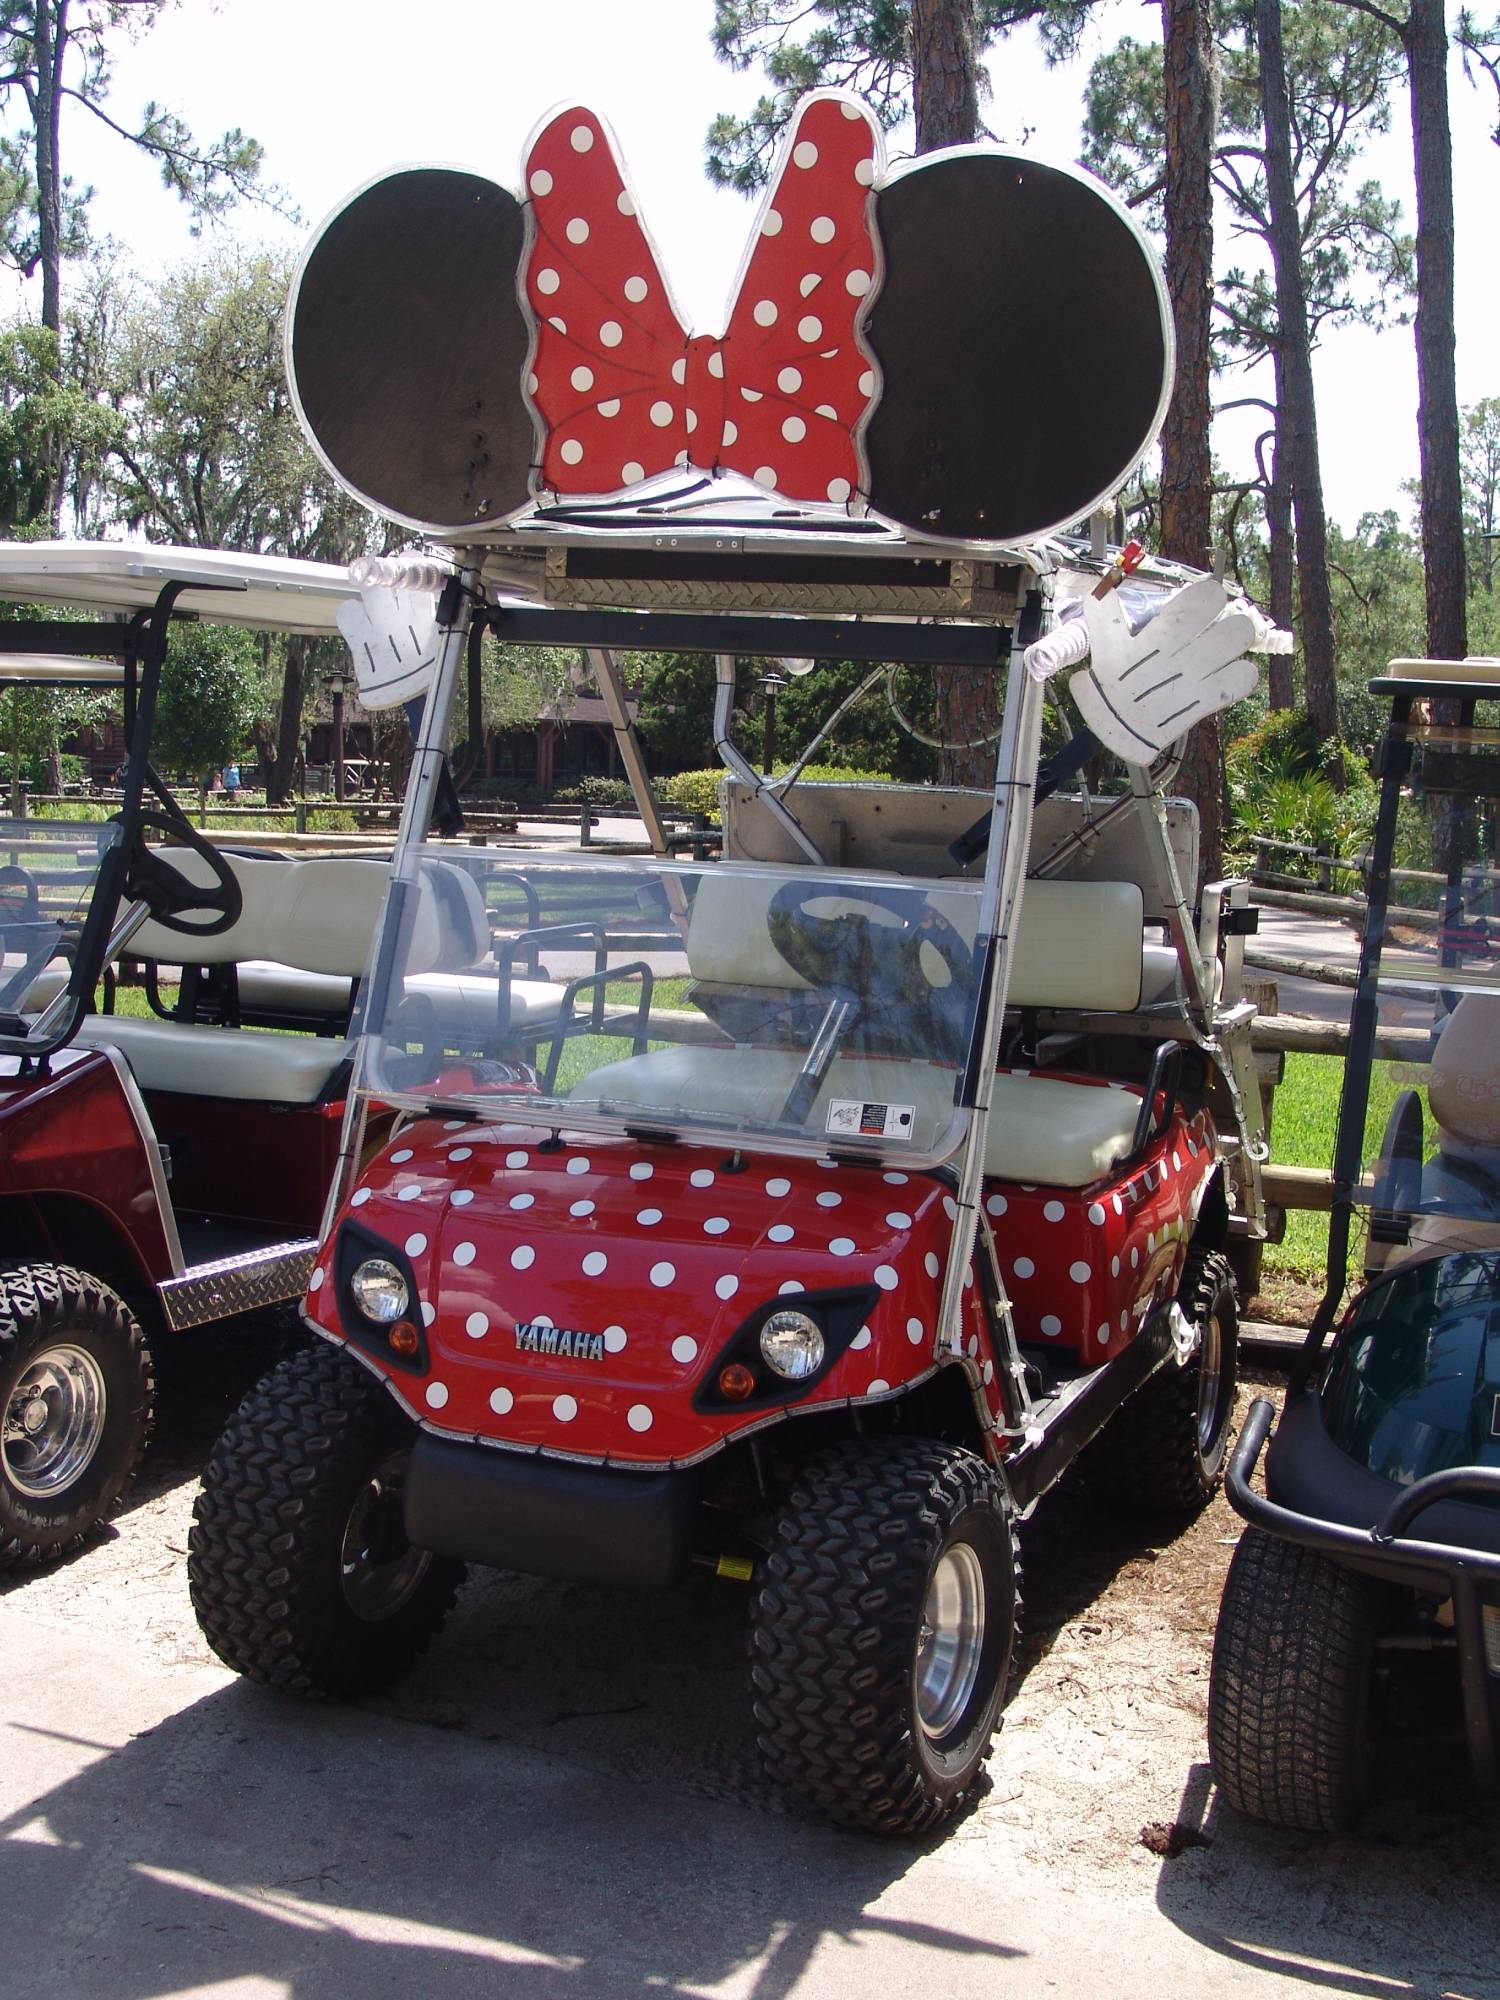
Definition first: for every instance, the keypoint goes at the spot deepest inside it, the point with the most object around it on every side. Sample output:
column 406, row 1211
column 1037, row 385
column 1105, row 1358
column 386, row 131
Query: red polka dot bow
column 623, row 389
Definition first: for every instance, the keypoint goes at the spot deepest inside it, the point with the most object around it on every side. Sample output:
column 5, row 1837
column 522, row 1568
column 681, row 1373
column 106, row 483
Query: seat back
column 316, row 915
column 1078, row 944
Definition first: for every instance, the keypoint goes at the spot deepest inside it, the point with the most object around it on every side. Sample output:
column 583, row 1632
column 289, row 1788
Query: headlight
column 792, row 1344
column 379, row 1290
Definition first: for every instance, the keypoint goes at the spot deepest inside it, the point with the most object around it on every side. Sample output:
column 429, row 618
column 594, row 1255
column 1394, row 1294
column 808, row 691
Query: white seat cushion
column 1055, row 1133
column 1043, row 1129
column 244, row 1063
column 754, row 1084
column 267, row 986
column 1078, row 944
column 469, row 1002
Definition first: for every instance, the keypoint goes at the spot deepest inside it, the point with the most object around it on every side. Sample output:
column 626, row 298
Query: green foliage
column 207, row 698
column 858, row 45
column 1479, row 450
column 1379, row 614
column 604, row 794
column 693, row 792
column 698, row 791
column 1357, row 263
column 1277, row 786
column 214, row 455
column 209, row 178
column 676, row 706
column 521, row 683
column 43, row 418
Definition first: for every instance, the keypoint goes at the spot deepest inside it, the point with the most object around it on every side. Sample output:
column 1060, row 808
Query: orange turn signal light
column 736, row 1382
column 404, row 1339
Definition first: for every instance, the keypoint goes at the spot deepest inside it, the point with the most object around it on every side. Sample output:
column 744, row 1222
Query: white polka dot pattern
column 591, row 265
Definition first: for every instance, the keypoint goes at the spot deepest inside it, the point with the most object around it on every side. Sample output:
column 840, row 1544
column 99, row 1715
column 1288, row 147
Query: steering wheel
column 878, row 964
column 152, row 878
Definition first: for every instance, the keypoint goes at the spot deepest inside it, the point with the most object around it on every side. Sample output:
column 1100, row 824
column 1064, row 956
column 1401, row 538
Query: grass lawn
column 1303, row 1125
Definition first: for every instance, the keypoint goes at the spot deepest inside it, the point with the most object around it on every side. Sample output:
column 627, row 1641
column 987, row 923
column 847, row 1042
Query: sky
column 338, row 90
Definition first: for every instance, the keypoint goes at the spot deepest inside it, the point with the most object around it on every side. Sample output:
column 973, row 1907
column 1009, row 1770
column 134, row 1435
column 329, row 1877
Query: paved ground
column 564, row 1800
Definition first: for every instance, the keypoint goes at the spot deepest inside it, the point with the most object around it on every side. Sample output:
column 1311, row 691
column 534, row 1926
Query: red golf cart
column 802, row 1216
column 166, row 1166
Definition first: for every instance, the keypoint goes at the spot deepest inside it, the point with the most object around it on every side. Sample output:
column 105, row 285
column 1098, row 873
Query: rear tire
column 298, row 1564
column 1288, row 1693
column 882, row 1632
column 1164, row 1451
column 76, row 1396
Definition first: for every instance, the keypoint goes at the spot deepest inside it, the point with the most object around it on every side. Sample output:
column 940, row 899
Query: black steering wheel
column 151, row 878
column 877, row 964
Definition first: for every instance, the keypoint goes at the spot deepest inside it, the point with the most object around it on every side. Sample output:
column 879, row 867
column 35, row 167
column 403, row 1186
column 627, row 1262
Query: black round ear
column 406, row 349
column 1025, row 341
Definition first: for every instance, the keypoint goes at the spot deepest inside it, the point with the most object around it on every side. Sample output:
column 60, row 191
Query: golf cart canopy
column 272, row 593
column 72, row 894
column 1419, row 1135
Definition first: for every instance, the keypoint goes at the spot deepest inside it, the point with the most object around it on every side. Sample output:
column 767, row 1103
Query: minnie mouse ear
column 406, row 349
column 1025, row 344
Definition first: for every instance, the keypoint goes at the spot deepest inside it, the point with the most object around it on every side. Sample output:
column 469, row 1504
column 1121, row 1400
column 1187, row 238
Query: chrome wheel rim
column 378, row 1567
column 950, row 1641
column 54, row 1420
column 1210, row 1382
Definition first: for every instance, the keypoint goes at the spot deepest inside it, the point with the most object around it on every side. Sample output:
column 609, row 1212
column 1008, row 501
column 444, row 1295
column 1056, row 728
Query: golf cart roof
column 61, row 671
column 1477, row 677
column 271, row 593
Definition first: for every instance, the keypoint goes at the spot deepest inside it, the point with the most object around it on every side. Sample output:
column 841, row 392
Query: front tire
column 1289, row 1690
column 1164, row 1451
column 882, row 1632
column 298, row 1564
column 76, row 1396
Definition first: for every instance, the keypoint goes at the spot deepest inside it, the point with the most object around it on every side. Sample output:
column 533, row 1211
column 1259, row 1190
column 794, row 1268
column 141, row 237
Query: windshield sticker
column 848, row 1116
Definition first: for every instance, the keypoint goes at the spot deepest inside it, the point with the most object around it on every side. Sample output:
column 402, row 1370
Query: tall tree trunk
column 1437, row 395
column 288, row 722
column 1186, row 467
column 945, row 98
column 1297, row 417
column 51, row 18
column 945, row 75
column 1280, row 561
column 51, row 23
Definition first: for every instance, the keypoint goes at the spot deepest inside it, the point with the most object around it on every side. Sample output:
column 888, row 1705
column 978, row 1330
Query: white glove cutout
column 392, row 637
column 1142, row 690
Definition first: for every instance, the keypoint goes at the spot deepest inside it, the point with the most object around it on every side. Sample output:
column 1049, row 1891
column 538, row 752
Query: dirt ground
column 1099, row 1777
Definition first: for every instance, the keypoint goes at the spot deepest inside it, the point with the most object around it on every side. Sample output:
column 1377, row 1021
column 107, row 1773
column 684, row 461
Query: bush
column 1278, row 786
column 698, row 791
column 693, row 792
column 603, row 794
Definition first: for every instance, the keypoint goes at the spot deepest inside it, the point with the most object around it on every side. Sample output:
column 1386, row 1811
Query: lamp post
column 771, row 684
column 337, row 681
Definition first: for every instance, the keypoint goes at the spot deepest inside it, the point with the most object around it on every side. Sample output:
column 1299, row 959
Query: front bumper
column 545, row 1517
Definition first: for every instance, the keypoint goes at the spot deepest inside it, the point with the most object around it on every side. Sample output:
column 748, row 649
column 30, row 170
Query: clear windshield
column 772, row 1008
column 1431, row 1147
column 47, row 873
